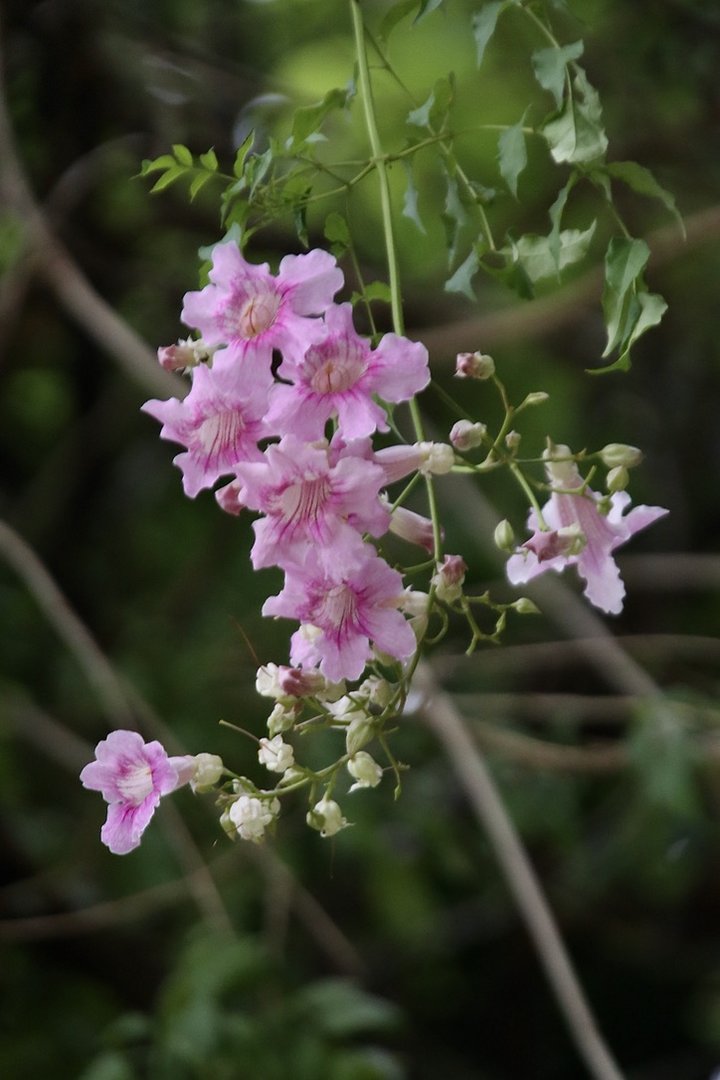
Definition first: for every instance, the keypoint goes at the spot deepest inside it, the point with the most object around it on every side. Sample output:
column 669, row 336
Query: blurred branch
column 441, row 716
column 46, row 256
column 548, row 314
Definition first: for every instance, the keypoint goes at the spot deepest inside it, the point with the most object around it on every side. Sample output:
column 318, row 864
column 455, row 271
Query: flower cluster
column 265, row 422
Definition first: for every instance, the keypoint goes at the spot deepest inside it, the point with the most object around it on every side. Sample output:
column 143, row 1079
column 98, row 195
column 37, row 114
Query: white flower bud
column 251, row 816
column 438, row 458
column 267, row 683
column 448, row 578
column 617, row 454
column 326, row 816
column 275, row 755
column 208, row 770
column 280, row 719
column 464, row 435
column 360, row 732
column 512, row 440
column 365, row 771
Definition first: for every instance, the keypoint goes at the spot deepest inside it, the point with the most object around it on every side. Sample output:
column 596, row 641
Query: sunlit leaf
column 198, row 183
column 426, row 7
column 308, row 118
column 461, row 280
column 169, row 177
column 538, row 258
column 395, row 15
column 337, row 233
column 512, row 155
column 483, row 25
column 209, row 160
column 550, row 67
column 432, row 114
column 182, row 154
column 577, row 134
column 642, row 181
column 242, row 152
column 629, row 308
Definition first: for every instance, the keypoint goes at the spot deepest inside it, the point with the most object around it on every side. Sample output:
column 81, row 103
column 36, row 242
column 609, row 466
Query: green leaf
column 433, row 113
column 410, row 201
column 182, row 154
column 209, row 160
column 630, row 310
column 242, row 153
column 512, row 155
column 550, row 66
column 337, row 233
column 426, row 7
column 461, row 280
column 395, row 15
column 540, row 260
column 577, row 134
column 483, row 26
column 555, row 213
column 199, row 182
column 165, row 161
column 169, row 177
column 376, row 290
column 309, row 118
column 642, row 182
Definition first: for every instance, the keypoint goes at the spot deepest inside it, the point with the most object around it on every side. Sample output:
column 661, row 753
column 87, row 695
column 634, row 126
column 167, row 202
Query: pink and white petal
column 391, row 633
column 125, row 825
column 312, row 279
column 604, row 587
column 358, row 415
column 399, row 368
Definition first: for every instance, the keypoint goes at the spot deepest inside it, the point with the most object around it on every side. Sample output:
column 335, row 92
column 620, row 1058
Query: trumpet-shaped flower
column 309, row 500
column 220, row 422
column 132, row 777
column 344, row 609
column 251, row 311
column 579, row 534
column 338, row 377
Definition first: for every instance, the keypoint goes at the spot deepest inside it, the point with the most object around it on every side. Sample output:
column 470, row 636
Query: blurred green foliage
column 449, row 985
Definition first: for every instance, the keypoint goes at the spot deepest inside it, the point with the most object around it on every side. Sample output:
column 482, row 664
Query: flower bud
column 208, row 770
column 365, row 771
column 280, row 719
column 228, row 498
column 512, row 440
column 276, row 755
column 185, row 354
column 448, row 578
column 474, row 365
column 504, row 536
column 413, row 527
column 326, row 816
column 618, row 454
column 361, row 731
column 251, row 816
column 298, row 682
column 525, row 606
column 465, row 435
column 617, row 479
column 438, row 458
column 537, row 397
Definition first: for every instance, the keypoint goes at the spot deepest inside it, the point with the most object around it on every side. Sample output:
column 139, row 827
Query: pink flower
column 339, row 375
column 344, row 610
column 251, row 311
column 580, row 535
column 132, row 776
column 310, row 502
column 220, row 423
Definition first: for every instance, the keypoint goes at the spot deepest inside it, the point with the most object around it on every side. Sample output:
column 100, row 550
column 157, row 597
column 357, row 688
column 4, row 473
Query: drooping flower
column 579, row 534
column 344, row 610
column 309, row 500
column 338, row 377
column 250, row 311
column 220, row 422
column 132, row 777
column 249, row 817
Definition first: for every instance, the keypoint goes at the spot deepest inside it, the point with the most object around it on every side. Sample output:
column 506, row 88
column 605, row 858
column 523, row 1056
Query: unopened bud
column 512, row 440
column 276, row 755
column 280, row 719
column 208, row 770
column 504, row 536
column 474, row 365
column 360, row 732
column 326, row 816
column 439, row 458
column 537, row 397
column 465, row 435
column 615, row 454
column 448, row 578
column 617, row 479
column 365, row 771
column 525, row 606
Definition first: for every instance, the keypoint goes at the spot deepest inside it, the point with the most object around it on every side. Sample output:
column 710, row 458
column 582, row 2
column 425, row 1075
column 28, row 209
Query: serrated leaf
column 625, row 261
column 410, row 200
column 169, row 177
column 577, row 134
column 555, row 214
column 433, row 113
column 182, row 154
column 308, row 118
column 199, row 182
column 483, row 26
column 512, row 155
column 537, row 256
column 376, row 290
column 426, row 7
column 209, row 160
column 642, row 182
column 336, row 230
column 550, row 67
column 242, row 152
column 454, row 215
column 392, row 17
column 461, row 280
column 165, row 161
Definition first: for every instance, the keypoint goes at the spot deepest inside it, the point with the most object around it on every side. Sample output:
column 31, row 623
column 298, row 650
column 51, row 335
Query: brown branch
column 440, row 715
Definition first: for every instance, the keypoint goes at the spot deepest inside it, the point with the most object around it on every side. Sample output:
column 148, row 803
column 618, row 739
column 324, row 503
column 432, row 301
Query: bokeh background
column 393, row 951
